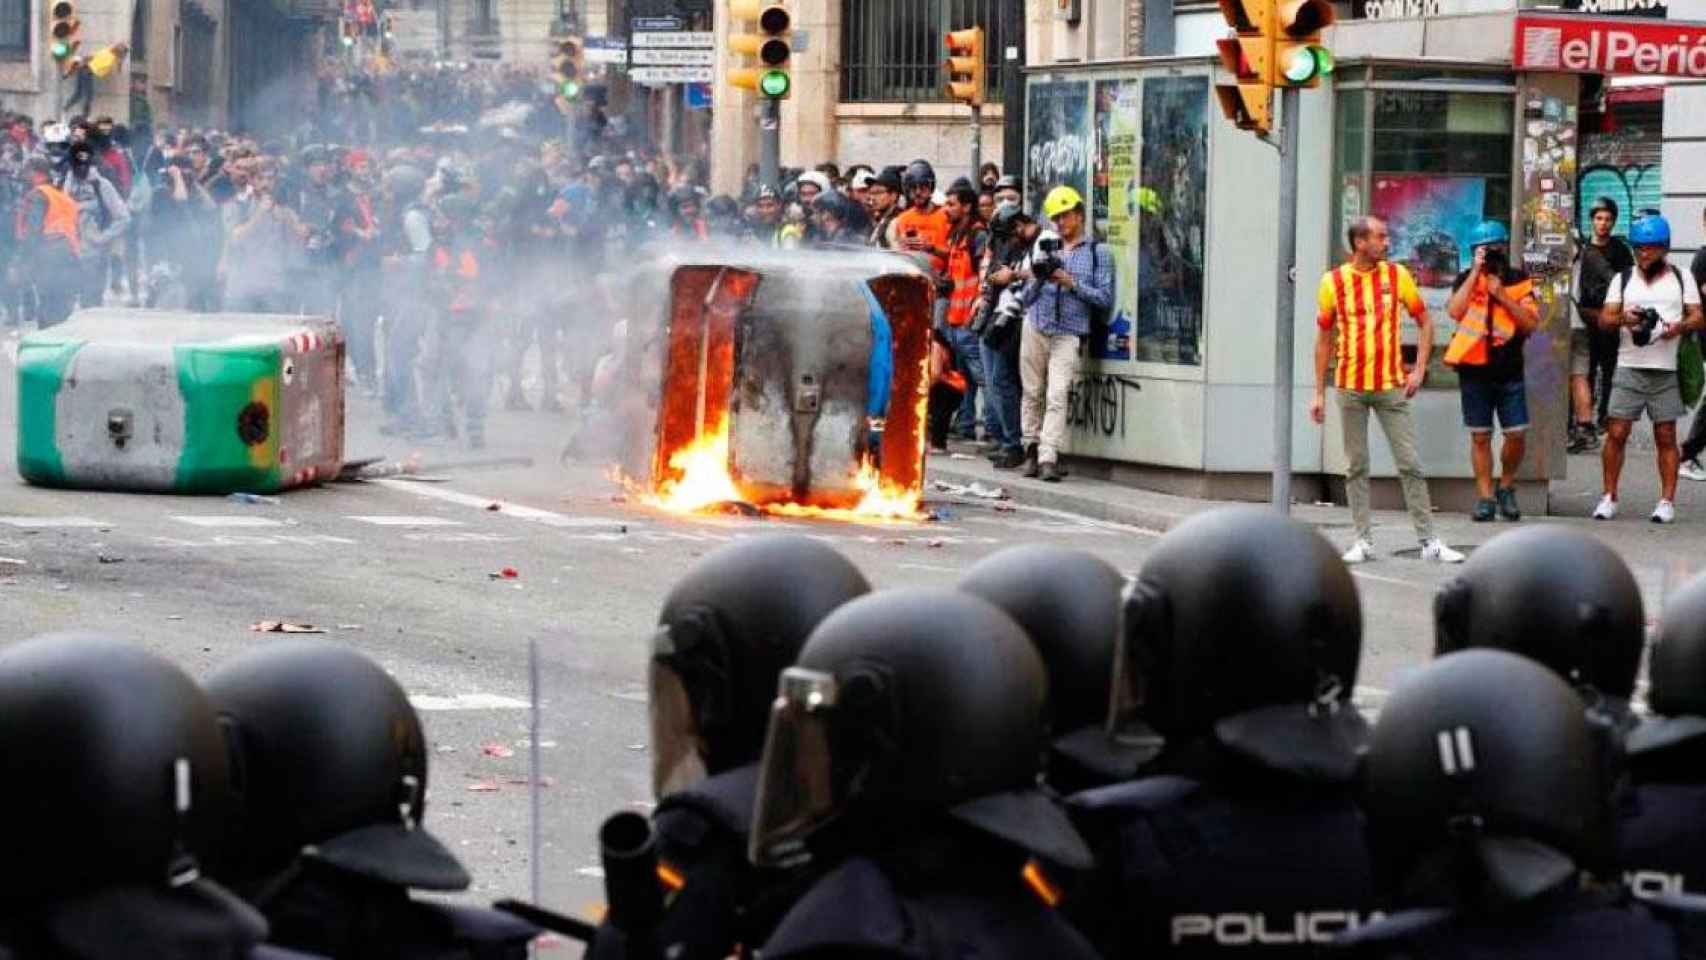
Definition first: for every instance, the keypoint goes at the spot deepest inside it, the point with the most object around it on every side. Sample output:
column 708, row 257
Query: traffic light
column 771, row 47
column 388, row 26
column 1249, row 56
column 1299, row 58
column 966, row 75
column 566, row 70
column 63, row 27
column 346, row 32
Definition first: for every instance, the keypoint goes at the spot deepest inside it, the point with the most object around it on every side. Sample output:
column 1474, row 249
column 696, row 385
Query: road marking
column 1365, row 575
column 252, row 540
column 467, row 701
column 408, row 521
column 933, row 568
column 216, row 521
column 519, row 511
column 51, row 523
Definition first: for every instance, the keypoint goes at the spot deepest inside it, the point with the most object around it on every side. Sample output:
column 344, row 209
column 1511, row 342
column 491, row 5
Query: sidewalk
column 1571, row 501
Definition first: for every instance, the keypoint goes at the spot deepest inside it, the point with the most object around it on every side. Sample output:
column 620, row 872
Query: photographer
column 1000, row 316
column 1649, row 306
column 185, row 232
column 1494, row 306
column 263, row 236
column 102, row 219
column 1065, row 287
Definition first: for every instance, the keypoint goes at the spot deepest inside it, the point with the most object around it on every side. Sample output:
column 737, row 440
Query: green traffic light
column 61, row 50
column 1304, row 64
column 349, row 41
column 570, row 89
column 774, row 83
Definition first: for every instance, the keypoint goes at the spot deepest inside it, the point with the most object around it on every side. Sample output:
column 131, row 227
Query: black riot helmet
column 1480, row 783
column 726, row 630
column 1552, row 594
column 1068, row 602
column 114, row 769
column 329, row 755
column 1669, row 745
column 905, row 705
column 1244, row 625
column 918, row 173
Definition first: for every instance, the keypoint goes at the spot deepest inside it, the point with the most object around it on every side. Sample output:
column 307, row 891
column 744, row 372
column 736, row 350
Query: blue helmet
column 1489, row 231
column 1650, row 231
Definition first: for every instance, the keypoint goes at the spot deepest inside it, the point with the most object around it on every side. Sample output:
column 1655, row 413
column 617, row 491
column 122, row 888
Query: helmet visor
column 797, row 789
column 1128, row 696
column 678, row 745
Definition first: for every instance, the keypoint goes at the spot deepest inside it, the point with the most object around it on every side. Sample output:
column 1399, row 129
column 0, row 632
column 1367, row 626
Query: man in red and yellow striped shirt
column 1358, row 341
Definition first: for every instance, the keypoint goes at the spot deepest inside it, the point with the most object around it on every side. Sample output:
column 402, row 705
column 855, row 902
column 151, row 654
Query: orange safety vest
column 962, row 273
column 60, row 220
column 467, row 269
column 1468, row 346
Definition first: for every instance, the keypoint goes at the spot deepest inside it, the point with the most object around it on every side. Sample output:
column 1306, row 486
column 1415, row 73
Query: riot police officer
column 902, row 758
column 725, row 633
column 117, row 789
column 1240, row 645
column 333, row 777
column 1068, row 602
column 1557, row 596
column 1484, row 800
column 1660, row 847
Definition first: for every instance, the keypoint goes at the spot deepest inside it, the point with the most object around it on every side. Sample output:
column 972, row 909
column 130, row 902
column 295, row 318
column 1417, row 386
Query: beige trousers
column 1393, row 410
column 1047, row 367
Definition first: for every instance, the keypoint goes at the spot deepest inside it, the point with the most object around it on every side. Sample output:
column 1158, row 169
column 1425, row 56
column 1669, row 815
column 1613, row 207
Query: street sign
column 694, row 39
column 605, row 50
column 670, row 74
column 668, row 57
column 698, row 96
column 645, row 24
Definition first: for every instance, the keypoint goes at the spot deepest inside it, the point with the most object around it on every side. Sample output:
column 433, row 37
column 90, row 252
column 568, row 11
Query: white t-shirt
column 1663, row 296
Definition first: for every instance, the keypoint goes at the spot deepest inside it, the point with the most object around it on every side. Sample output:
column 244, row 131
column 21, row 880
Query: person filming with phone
column 1494, row 306
column 1649, row 306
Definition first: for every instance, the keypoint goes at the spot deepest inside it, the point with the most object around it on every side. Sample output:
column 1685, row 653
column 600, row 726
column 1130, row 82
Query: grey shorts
column 1581, row 351
column 1654, row 392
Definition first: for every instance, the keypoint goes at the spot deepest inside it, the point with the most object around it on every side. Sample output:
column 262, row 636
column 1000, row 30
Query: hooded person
column 332, row 779
column 1484, row 803
column 130, row 794
column 726, row 632
column 103, row 217
column 1239, row 644
column 901, row 760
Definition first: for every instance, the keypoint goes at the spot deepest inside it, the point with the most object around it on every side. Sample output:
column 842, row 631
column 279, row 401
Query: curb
column 1064, row 499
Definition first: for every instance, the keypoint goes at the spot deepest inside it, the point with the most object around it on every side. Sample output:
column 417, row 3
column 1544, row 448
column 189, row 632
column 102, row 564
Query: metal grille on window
column 892, row 52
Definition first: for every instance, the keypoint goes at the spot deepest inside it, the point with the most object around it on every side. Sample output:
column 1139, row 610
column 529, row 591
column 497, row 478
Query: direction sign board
column 642, row 24
column 670, row 74
column 704, row 39
column 669, row 57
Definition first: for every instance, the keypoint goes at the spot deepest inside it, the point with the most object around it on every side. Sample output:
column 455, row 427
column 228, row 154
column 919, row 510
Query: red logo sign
column 1626, row 47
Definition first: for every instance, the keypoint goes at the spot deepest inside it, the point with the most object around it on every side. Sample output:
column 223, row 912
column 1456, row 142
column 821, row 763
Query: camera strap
column 1675, row 271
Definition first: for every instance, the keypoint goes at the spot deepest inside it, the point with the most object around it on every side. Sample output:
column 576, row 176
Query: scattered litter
column 281, row 626
column 637, row 747
column 939, row 514
column 618, row 498
column 497, row 750
column 961, row 456
column 527, row 744
column 103, row 558
column 350, row 626
column 976, row 488
column 597, row 873
column 507, row 573
column 542, row 782
column 935, row 544
column 13, row 562
column 173, row 616
column 62, row 587
column 483, row 786
column 494, row 507
column 1006, row 508
column 896, row 542
column 252, row 499
column 735, row 508
column 446, row 748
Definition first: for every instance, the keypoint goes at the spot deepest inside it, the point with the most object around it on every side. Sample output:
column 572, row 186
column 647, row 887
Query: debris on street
column 976, row 488
column 497, row 750
column 280, row 626
column 253, row 499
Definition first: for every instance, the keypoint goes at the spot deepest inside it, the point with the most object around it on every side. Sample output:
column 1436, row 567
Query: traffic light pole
column 976, row 140
column 770, row 142
column 1285, row 305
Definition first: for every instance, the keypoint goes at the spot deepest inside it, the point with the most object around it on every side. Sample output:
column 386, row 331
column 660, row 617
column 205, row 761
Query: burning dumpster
column 151, row 400
column 795, row 384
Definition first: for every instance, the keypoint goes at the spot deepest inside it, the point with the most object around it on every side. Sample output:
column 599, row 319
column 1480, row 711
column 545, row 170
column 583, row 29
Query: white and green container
column 162, row 401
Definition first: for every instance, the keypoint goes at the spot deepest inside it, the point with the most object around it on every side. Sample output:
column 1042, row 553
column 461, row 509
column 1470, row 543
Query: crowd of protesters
column 458, row 210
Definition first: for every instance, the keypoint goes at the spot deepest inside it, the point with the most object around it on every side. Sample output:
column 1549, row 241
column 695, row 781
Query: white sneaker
column 1362, row 551
column 1665, row 512
column 1437, row 551
column 1607, row 508
column 1692, row 470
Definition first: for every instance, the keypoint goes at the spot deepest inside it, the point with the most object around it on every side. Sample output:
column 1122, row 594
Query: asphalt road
column 402, row 571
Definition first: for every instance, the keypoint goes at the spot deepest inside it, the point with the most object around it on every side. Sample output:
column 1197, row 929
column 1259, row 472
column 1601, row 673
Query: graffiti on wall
column 1098, row 403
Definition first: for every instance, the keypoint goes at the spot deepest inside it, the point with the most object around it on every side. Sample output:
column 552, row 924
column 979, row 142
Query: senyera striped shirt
column 1364, row 308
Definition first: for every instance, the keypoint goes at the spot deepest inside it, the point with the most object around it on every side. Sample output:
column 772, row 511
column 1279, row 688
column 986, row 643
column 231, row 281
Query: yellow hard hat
column 1060, row 200
column 1148, row 200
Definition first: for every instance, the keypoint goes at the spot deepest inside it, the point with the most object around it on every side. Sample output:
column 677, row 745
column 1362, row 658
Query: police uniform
column 1568, row 925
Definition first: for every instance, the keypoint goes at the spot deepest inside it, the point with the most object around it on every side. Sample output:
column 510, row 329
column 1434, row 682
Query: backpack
column 1690, row 365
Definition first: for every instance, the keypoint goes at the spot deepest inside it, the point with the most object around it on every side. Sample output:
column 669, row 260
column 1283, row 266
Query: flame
column 700, row 480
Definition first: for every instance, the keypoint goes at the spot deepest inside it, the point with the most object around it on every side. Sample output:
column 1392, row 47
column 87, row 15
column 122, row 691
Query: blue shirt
column 1057, row 311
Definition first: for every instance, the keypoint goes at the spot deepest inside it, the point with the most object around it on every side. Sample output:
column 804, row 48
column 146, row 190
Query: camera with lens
column 1642, row 333
column 1496, row 262
column 1046, row 260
